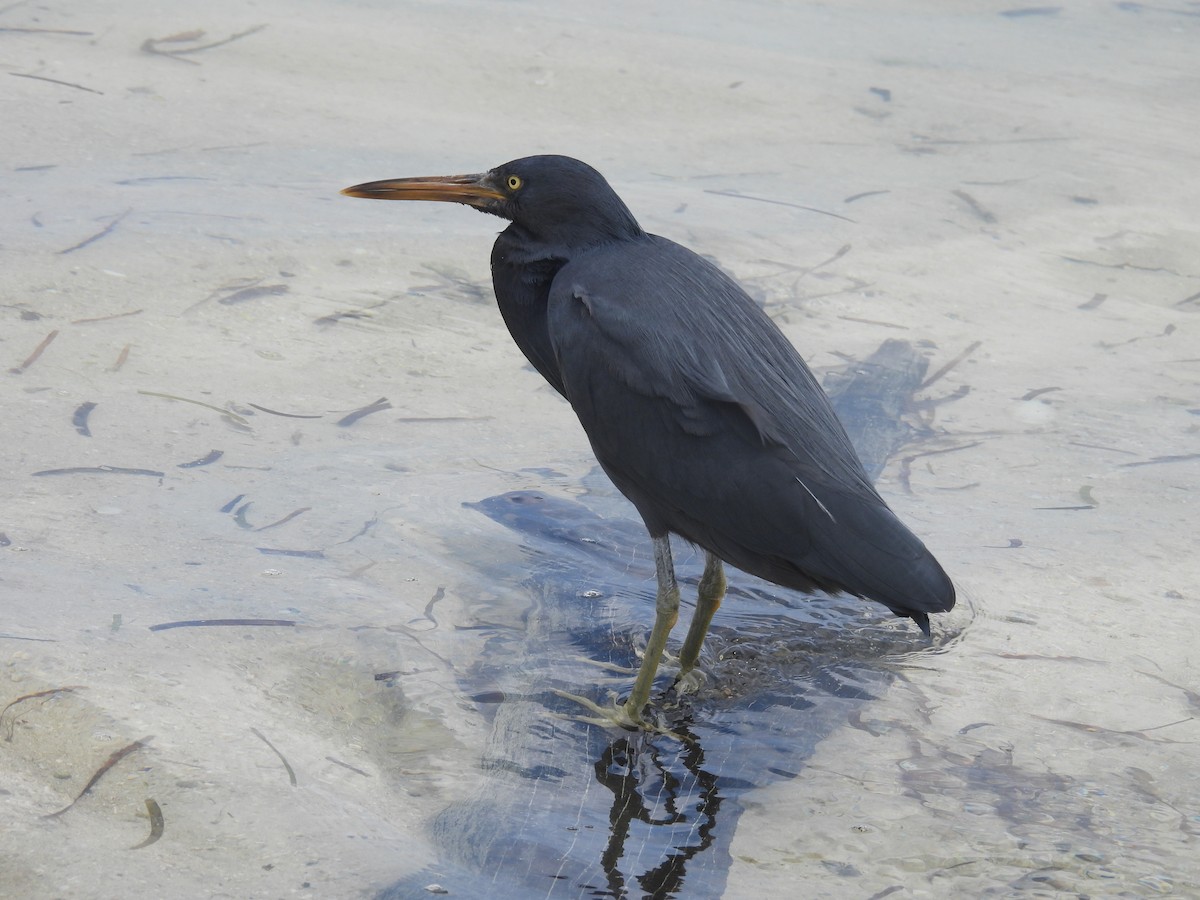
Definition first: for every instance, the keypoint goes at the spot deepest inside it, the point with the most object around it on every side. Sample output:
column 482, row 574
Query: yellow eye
column 513, row 182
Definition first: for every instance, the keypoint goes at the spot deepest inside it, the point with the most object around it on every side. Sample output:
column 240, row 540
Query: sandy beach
column 232, row 394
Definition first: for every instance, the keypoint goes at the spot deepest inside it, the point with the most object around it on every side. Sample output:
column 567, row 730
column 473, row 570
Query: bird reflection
column 664, row 811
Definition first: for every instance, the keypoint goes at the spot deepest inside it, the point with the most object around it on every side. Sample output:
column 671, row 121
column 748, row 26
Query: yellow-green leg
column 666, row 613
column 708, row 600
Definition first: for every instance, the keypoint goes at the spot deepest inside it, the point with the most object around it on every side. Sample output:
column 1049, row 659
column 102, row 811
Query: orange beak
column 473, row 190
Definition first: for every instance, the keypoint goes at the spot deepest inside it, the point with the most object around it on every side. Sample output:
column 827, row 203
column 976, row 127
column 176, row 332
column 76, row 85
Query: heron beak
column 473, row 190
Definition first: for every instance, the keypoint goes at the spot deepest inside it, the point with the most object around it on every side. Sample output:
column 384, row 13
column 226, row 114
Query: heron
column 696, row 405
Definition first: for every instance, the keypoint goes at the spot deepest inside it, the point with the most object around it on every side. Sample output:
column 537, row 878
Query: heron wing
column 707, row 418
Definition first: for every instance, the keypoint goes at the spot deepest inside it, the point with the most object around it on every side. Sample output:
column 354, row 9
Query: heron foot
column 690, row 682
column 608, row 715
column 606, row 666
column 614, row 714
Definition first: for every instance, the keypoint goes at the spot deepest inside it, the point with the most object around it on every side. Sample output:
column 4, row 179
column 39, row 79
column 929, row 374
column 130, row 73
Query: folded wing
column 713, row 426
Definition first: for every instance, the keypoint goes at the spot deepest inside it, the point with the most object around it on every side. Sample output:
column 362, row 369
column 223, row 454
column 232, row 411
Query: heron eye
column 514, row 182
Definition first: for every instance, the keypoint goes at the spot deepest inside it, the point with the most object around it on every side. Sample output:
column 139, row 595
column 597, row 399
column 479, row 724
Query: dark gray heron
column 699, row 409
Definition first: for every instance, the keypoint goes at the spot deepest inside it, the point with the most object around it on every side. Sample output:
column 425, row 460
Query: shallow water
column 1015, row 191
column 568, row 809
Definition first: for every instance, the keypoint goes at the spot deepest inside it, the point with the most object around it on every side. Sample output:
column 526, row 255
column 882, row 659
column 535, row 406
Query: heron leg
column 666, row 613
column 708, row 600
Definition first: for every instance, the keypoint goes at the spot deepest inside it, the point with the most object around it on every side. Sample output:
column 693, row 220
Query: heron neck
column 521, row 276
